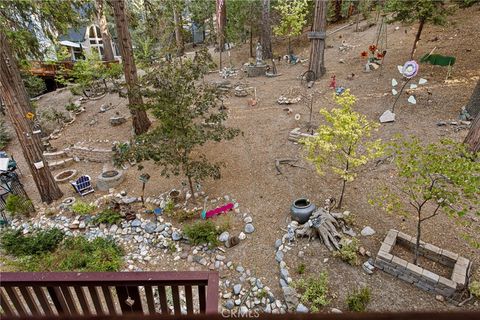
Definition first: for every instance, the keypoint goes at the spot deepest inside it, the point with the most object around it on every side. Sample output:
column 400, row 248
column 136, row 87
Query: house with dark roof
column 86, row 40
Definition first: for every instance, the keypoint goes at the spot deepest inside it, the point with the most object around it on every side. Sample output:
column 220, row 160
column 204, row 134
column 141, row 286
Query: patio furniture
column 83, row 185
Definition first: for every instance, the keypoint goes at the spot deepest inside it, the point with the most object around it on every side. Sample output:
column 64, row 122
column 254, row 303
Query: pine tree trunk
column 17, row 104
column 141, row 123
column 221, row 22
column 473, row 105
column 417, row 38
column 317, row 47
column 472, row 140
column 178, row 32
column 266, row 39
column 338, row 10
column 106, row 39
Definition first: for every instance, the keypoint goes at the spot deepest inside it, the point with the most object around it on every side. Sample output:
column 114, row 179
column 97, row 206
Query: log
column 290, row 162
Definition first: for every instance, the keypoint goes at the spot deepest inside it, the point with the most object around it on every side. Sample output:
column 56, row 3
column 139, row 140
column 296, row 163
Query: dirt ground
column 250, row 176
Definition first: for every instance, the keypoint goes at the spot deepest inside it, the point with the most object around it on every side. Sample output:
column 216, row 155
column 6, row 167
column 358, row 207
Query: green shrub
column 474, row 289
column 466, row 3
column 79, row 254
column 181, row 215
column 53, row 116
column 82, row 208
column 172, row 248
column 358, row 300
column 40, row 242
column 74, row 254
column 18, row 205
column 314, row 291
column 4, row 135
column 49, row 251
column 34, row 85
column 262, row 293
column 203, row 232
column 72, row 107
column 108, row 216
column 348, row 252
column 301, row 268
column 169, row 208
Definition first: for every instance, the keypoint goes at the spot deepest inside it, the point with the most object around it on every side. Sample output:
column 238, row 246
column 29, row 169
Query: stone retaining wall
column 423, row 278
column 90, row 154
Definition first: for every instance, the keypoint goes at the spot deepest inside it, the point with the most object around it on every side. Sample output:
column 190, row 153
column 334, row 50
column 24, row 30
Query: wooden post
column 141, row 123
column 17, row 104
column 317, row 39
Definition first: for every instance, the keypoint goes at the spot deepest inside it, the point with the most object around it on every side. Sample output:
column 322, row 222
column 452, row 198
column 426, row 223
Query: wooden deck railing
column 49, row 69
column 53, row 294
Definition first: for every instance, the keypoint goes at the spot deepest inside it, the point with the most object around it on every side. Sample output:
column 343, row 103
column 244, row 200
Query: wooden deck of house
column 60, row 294
column 49, row 69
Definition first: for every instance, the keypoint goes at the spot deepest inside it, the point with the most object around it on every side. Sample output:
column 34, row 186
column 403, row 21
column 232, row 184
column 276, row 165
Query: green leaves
column 87, row 73
column 293, row 15
column 415, row 10
column 187, row 119
column 315, row 292
column 444, row 173
column 342, row 144
column 25, row 22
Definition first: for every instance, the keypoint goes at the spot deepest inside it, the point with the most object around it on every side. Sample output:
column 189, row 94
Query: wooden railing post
column 65, row 292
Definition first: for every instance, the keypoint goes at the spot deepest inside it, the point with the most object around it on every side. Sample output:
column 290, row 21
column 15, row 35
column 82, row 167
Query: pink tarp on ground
column 217, row 211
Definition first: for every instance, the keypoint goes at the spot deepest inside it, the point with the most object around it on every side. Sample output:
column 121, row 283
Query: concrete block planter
column 109, row 179
column 420, row 277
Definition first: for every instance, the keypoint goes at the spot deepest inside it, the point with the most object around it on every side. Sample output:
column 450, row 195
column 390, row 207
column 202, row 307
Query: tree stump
column 323, row 225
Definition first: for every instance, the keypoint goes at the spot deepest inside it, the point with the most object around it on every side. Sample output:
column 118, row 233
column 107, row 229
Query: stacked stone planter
column 420, row 277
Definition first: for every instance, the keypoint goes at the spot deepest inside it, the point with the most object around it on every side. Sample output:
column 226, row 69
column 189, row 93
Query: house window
column 95, row 40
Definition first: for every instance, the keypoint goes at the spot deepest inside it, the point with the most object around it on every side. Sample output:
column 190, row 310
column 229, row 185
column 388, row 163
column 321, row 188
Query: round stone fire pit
column 109, row 179
column 65, row 175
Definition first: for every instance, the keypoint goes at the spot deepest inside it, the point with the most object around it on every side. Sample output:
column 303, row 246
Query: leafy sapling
column 342, row 145
column 431, row 178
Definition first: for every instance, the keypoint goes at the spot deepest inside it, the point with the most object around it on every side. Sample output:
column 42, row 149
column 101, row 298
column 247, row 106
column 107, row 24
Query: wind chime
column 381, row 40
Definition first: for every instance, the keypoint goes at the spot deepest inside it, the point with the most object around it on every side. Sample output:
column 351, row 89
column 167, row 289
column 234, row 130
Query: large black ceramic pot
column 301, row 210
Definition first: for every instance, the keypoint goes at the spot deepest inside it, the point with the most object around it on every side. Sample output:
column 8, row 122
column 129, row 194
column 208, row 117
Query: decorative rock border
column 420, row 277
column 146, row 240
column 290, row 295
